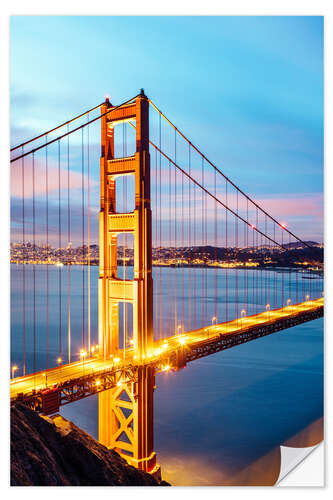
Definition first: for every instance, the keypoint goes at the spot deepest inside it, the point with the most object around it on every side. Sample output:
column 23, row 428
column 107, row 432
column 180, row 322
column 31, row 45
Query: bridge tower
column 126, row 412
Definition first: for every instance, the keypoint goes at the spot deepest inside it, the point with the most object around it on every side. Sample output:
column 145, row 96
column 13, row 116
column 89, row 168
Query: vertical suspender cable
column 226, row 247
column 266, row 252
column 215, row 250
column 183, row 251
column 34, row 266
column 59, row 250
column 160, row 221
column 189, row 240
column 236, row 256
column 247, row 251
column 176, row 249
column 170, row 300
column 203, row 246
column 69, row 260
column 257, row 253
column 48, row 257
column 195, row 253
column 88, row 255
column 284, row 260
column 23, row 269
column 289, row 270
column 83, row 252
column 156, row 251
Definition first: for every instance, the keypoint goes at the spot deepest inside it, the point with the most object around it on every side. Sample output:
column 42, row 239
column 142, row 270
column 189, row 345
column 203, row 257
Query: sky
column 248, row 91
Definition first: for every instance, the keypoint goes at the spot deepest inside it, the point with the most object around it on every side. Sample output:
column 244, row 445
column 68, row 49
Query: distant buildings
column 205, row 256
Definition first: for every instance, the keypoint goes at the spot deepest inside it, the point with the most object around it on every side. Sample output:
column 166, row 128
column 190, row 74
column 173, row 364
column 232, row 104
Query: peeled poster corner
column 302, row 466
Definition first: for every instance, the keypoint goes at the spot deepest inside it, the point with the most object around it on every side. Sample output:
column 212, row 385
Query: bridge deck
column 191, row 345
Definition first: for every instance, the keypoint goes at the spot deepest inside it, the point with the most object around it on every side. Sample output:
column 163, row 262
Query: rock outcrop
column 54, row 452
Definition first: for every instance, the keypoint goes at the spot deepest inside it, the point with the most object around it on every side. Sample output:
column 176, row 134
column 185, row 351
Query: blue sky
column 247, row 90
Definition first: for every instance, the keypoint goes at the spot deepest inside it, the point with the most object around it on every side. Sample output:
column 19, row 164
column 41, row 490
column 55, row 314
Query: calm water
column 221, row 419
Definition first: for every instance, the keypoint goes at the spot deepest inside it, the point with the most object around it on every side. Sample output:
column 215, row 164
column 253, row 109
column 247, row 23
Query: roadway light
column 45, row 375
column 288, row 302
column 214, row 318
column 243, row 313
column 307, row 297
column 268, row 308
column 98, row 382
column 59, row 360
column 182, row 341
column 14, row 368
column 116, row 360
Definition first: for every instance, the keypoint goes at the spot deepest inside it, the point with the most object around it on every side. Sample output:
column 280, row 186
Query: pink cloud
column 295, row 205
column 16, row 182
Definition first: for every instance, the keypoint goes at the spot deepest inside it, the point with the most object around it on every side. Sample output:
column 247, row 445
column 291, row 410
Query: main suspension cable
column 56, row 128
column 72, row 131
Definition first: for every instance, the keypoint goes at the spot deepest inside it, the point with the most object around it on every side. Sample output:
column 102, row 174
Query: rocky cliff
column 54, row 452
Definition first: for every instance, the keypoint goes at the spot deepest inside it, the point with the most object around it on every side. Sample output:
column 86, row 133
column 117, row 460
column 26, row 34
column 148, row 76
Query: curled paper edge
column 291, row 457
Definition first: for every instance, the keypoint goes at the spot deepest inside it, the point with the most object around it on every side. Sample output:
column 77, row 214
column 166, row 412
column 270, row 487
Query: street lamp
column 83, row 354
column 243, row 313
column 268, row 308
column 59, row 361
column 45, row 375
column 14, row 368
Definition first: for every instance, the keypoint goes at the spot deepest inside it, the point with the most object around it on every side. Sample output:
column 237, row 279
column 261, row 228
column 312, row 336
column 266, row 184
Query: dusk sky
column 247, row 90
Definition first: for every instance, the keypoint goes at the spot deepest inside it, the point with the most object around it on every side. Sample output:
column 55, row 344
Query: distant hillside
column 57, row 453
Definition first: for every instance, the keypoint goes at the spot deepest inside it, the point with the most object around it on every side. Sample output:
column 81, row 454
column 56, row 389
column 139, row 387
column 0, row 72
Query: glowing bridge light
column 166, row 368
column 243, row 313
column 14, row 368
column 253, row 226
column 182, row 341
column 98, row 382
column 119, row 384
column 268, row 306
column 288, row 302
column 59, row 360
column 116, row 360
column 307, row 297
column 214, row 320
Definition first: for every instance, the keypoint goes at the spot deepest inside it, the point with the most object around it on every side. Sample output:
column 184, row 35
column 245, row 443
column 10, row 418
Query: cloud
column 43, row 185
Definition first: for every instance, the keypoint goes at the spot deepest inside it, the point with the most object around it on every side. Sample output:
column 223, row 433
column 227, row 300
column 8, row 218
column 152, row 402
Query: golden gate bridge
column 185, row 260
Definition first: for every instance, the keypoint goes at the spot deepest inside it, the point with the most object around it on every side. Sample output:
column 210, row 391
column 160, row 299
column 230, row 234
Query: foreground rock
column 54, row 452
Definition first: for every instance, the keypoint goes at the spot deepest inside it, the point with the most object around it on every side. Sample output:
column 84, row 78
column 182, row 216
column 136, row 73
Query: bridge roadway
column 89, row 376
